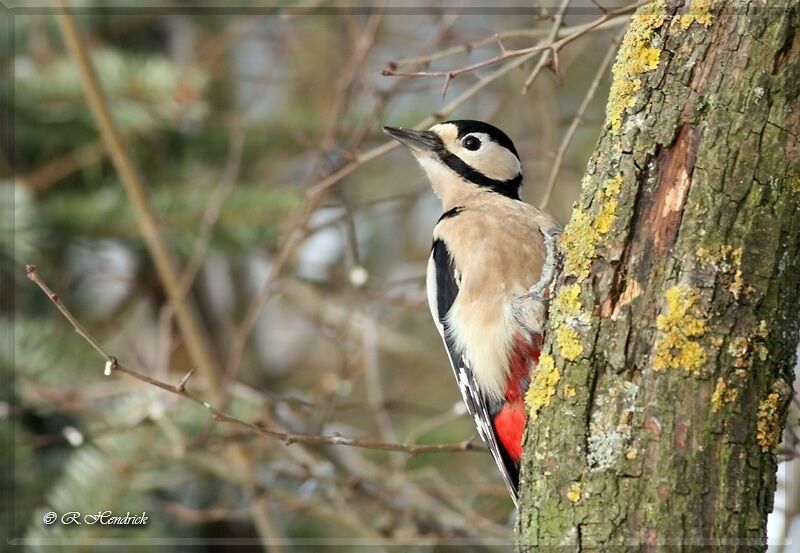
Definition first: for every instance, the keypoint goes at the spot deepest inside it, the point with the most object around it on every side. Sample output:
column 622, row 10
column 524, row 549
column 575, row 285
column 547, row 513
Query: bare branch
column 33, row 274
column 549, row 57
column 552, row 45
column 54, row 170
column 500, row 45
column 185, row 380
column 576, row 121
column 599, row 6
column 470, row 46
column 218, row 415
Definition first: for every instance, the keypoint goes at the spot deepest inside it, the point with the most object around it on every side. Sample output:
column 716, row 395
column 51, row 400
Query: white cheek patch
column 491, row 159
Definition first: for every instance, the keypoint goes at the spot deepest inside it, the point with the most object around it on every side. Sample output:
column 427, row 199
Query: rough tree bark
column 660, row 399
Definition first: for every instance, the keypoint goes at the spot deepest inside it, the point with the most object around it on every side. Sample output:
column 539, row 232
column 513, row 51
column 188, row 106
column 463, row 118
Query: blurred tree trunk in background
column 658, row 406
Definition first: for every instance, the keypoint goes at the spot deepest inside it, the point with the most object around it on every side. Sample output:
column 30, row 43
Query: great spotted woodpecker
column 489, row 247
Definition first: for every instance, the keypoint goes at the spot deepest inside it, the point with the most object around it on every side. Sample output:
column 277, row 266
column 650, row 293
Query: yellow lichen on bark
column 681, row 327
column 568, row 342
column 699, row 11
column 566, row 314
column 574, row 492
column 637, row 55
column 726, row 260
column 579, row 241
column 722, row 394
column 543, row 385
column 769, row 428
column 583, row 232
column 761, row 334
column 737, row 284
column 744, row 350
column 608, row 207
column 567, row 301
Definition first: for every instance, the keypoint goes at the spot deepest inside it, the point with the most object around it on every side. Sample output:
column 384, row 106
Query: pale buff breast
column 498, row 251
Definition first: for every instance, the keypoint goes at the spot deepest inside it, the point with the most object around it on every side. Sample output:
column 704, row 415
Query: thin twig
column 185, row 380
column 291, row 239
column 214, row 209
column 180, row 390
column 599, row 6
column 431, row 423
column 372, row 381
column 56, row 169
column 382, row 95
column 470, row 46
column 33, row 274
column 259, row 508
column 549, row 56
column 576, row 121
column 510, row 54
column 203, row 516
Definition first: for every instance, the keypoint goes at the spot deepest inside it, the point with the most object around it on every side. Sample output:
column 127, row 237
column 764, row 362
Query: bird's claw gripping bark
column 526, row 306
column 540, row 291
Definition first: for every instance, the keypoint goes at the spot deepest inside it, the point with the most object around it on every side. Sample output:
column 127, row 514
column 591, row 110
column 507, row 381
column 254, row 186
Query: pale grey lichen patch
column 605, row 447
column 782, row 263
column 634, row 122
column 629, row 393
column 610, row 431
column 571, row 537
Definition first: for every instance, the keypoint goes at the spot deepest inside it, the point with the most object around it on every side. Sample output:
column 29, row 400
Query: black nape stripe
column 451, row 213
column 508, row 188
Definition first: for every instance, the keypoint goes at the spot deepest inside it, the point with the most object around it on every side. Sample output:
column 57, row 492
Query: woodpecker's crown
column 473, row 151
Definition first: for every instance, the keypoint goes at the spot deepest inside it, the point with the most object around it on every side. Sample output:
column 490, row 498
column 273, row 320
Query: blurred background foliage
column 245, row 111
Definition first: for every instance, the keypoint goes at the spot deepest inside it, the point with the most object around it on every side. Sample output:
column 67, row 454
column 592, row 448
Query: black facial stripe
column 466, row 126
column 509, row 188
column 451, row 213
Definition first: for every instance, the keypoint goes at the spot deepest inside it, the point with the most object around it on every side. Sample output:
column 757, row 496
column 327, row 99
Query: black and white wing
column 442, row 291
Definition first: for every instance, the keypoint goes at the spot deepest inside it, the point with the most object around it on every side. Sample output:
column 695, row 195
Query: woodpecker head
column 459, row 156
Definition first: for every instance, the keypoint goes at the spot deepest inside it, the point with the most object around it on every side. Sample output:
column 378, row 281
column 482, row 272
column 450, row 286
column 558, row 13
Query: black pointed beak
column 416, row 140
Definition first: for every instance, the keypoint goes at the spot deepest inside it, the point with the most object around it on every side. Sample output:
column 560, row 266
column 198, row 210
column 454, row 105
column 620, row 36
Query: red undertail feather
column 509, row 422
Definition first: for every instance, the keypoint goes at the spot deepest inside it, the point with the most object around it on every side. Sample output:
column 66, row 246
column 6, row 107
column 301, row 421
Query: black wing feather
column 482, row 411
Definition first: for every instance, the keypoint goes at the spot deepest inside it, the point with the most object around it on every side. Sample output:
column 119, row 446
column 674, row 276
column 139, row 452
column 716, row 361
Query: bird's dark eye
column 472, row 143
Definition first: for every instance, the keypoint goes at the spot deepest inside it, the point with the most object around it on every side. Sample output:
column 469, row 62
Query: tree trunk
column 660, row 399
